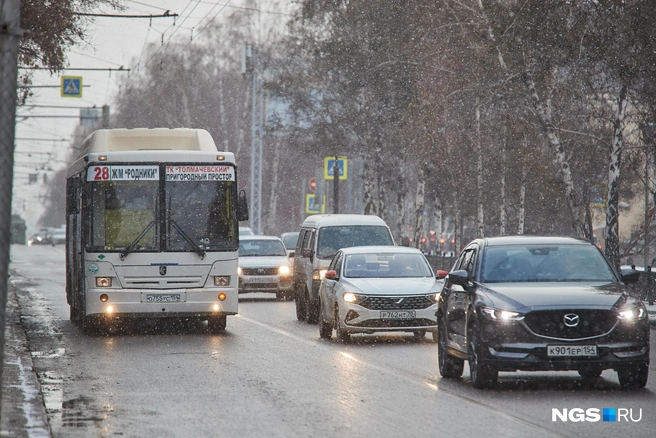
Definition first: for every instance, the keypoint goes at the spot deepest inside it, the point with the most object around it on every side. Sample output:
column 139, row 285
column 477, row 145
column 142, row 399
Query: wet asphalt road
column 269, row 375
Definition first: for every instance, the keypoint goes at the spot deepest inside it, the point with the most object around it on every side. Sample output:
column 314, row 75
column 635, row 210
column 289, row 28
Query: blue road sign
column 329, row 167
column 71, row 86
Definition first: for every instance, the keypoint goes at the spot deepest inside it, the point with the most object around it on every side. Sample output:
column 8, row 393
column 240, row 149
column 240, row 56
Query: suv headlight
column 635, row 314
column 501, row 315
column 284, row 270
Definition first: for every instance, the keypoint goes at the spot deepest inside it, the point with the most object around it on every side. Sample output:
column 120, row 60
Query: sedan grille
column 395, row 303
column 552, row 323
column 259, row 271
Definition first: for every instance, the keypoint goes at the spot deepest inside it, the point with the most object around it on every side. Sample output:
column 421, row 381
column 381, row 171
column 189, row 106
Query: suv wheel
column 301, row 308
column 312, row 309
column 342, row 334
column 450, row 367
column 482, row 374
column 634, row 378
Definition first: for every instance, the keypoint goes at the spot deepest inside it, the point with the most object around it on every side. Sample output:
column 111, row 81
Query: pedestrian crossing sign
column 71, row 86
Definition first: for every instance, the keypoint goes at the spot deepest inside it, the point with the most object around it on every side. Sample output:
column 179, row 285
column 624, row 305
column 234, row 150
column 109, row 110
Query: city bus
column 152, row 229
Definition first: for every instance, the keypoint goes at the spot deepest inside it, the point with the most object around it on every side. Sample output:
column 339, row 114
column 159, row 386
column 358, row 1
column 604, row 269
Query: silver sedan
column 372, row 289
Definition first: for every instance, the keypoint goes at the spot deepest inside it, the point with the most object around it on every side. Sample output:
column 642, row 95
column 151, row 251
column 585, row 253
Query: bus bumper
column 156, row 303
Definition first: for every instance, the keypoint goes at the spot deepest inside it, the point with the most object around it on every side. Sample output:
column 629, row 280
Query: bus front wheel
column 217, row 324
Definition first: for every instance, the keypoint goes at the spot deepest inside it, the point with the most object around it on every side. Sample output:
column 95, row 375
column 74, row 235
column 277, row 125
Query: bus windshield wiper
column 196, row 248
column 130, row 248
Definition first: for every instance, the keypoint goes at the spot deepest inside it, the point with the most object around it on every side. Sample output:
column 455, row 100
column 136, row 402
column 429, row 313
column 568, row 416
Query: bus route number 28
column 101, row 173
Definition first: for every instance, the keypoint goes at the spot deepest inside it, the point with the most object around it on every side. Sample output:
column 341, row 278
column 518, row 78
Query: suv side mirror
column 441, row 274
column 630, row 275
column 331, row 275
column 459, row 277
column 242, row 207
column 405, row 241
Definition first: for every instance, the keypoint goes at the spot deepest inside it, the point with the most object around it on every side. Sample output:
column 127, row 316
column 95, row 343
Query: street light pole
column 336, row 186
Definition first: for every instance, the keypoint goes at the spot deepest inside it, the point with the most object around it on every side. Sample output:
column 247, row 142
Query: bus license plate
column 571, row 350
column 404, row 314
column 161, row 298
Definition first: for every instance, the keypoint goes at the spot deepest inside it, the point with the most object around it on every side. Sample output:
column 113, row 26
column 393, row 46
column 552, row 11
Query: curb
column 23, row 412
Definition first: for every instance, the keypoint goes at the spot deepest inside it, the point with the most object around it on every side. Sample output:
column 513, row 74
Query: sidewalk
column 23, row 413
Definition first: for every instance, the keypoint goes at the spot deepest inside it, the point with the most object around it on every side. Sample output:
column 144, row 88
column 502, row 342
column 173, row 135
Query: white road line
column 386, row 370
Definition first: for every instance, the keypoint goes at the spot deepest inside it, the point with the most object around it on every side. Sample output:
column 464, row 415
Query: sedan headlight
column 222, row 280
column 635, row 314
column 284, row 270
column 501, row 315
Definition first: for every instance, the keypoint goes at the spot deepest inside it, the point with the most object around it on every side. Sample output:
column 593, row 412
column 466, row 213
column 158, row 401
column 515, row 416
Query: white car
column 245, row 231
column 379, row 289
column 290, row 240
column 264, row 266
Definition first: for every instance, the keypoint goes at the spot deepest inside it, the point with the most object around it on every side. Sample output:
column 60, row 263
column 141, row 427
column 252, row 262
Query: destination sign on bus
column 200, row 173
column 123, row 173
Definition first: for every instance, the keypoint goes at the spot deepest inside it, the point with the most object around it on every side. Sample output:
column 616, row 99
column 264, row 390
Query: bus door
column 74, row 258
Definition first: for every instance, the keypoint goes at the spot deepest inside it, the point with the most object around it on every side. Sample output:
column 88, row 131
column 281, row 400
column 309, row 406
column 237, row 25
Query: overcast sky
column 111, row 43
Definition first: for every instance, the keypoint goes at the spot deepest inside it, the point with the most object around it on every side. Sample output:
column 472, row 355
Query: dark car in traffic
column 540, row 304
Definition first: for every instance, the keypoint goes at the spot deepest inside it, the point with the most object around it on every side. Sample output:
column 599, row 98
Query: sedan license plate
column 571, row 350
column 161, row 298
column 397, row 314
column 260, row 280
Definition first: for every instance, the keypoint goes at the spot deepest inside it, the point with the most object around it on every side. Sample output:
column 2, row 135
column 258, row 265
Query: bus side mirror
column 242, row 207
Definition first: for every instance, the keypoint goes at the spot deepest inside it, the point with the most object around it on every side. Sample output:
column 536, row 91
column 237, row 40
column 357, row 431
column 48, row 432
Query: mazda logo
column 571, row 320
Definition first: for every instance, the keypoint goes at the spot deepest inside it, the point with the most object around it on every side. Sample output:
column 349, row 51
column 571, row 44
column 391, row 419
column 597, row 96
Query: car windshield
column 262, row 247
column 332, row 239
column 516, row 263
column 289, row 240
column 386, row 265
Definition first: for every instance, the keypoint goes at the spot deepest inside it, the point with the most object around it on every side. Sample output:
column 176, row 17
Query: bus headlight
column 284, row 270
column 103, row 281
column 222, row 280
column 239, row 271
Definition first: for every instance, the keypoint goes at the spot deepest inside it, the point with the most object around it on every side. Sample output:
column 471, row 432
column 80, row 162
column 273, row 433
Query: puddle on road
column 49, row 354
column 77, row 412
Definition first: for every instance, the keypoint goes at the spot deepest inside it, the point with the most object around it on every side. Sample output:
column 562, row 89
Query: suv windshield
column 544, row 263
column 331, row 239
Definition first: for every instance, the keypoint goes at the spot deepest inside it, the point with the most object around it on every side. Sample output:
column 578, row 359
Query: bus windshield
column 200, row 211
column 120, row 212
column 153, row 215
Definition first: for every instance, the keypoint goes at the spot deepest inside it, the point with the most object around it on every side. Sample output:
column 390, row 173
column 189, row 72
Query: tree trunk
column 420, row 200
column 273, row 198
column 457, row 231
column 543, row 111
column 502, row 207
column 479, row 173
column 612, row 246
column 521, row 213
column 369, row 194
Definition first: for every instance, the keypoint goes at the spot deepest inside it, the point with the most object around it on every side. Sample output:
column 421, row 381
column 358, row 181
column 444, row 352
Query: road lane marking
column 386, row 370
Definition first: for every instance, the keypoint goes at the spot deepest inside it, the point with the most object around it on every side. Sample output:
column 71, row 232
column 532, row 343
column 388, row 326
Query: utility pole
column 251, row 65
column 10, row 32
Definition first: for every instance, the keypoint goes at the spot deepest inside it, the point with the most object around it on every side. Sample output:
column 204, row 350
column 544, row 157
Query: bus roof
column 140, row 139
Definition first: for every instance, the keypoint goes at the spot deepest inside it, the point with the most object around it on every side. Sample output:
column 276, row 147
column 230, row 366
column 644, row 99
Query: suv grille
column 394, row 303
column 551, row 323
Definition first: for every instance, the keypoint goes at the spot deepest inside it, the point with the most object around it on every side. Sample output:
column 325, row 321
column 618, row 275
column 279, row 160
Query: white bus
column 152, row 228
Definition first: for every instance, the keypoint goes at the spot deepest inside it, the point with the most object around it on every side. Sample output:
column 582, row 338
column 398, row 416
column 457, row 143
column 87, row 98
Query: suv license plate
column 571, row 350
column 159, row 298
column 404, row 314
